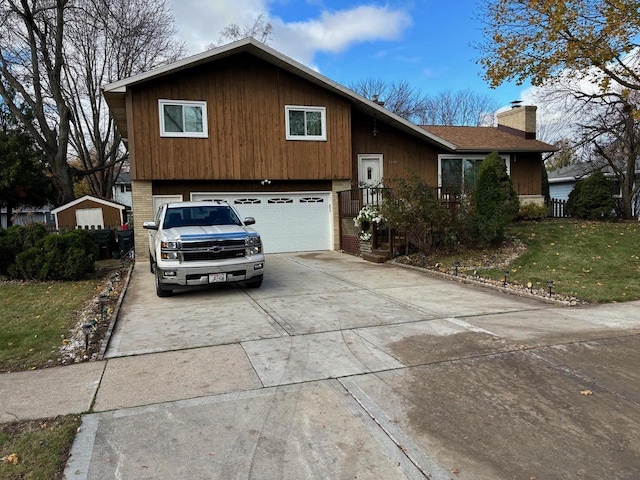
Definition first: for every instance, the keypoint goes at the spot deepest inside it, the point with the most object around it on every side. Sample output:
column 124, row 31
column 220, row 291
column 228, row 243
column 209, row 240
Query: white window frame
column 183, row 103
column 506, row 158
column 323, row 123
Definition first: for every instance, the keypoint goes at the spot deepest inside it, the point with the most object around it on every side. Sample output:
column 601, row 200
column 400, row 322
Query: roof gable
column 115, row 92
column 77, row 201
column 462, row 139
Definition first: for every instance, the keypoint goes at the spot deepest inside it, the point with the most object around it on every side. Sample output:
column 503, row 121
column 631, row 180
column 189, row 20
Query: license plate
column 217, row 277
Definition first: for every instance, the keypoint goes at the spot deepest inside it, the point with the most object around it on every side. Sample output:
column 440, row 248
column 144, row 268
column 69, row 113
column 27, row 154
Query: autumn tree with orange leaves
column 539, row 40
column 588, row 51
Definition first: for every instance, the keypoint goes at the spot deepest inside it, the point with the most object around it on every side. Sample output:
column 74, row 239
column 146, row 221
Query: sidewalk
column 49, row 392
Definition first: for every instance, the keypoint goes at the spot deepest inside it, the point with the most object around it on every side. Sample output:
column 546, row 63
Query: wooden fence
column 558, row 208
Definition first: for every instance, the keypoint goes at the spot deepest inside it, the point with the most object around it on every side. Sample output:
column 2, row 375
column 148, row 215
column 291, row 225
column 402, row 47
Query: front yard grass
column 593, row 261
column 38, row 449
column 35, row 319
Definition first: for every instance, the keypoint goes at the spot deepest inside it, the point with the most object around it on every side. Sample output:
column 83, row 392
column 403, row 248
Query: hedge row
column 30, row 253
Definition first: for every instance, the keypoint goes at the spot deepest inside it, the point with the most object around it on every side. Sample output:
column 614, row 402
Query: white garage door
column 287, row 222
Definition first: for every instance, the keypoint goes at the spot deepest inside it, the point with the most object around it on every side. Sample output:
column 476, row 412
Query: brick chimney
column 519, row 120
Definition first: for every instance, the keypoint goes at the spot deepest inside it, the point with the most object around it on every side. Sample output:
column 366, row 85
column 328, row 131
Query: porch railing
column 350, row 202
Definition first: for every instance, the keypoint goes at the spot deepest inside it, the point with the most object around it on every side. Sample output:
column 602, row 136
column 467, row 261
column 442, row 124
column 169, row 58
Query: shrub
column 16, row 239
column 591, row 198
column 495, row 202
column 531, row 211
column 66, row 256
column 414, row 208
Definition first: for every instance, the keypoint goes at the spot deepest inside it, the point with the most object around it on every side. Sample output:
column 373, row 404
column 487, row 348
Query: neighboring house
column 562, row 181
column 122, row 189
column 246, row 124
column 89, row 213
column 27, row 215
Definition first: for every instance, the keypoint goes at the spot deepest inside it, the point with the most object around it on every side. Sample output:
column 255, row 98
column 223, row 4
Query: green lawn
column 40, row 447
column 35, row 318
column 594, row 261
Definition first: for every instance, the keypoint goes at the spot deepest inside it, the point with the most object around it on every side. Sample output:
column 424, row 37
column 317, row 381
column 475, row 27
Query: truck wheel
column 255, row 282
column 151, row 265
column 161, row 292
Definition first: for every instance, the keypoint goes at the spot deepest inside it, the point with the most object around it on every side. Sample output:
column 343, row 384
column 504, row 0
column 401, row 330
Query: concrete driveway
column 338, row 368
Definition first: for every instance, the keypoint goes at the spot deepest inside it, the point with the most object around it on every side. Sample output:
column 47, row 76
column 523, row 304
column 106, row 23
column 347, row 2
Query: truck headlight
column 252, row 240
column 254, row 245
column 169, row 255
column 169, row 245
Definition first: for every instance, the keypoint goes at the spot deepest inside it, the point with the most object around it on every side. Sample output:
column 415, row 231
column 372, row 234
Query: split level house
column 276, row 139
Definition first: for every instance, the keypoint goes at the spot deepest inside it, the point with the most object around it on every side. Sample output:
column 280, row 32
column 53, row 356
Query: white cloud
column 199, row 24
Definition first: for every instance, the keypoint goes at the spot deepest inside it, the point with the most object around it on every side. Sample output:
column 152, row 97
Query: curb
column 471, row 281
column 114, row 316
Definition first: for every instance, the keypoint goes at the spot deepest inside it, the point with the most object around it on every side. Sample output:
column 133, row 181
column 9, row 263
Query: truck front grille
column 188, row 256
column 212, row 243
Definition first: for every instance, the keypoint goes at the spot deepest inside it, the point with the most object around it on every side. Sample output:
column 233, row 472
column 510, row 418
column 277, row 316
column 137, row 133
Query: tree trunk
column 9, row 207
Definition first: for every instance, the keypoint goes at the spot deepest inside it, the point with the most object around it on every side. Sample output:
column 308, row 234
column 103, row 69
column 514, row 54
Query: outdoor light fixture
column 375, row 128
column 86, row 329
column 506, row 275
column 264, row 182
column 550, row 286
column 457, row 265
column 103, row 300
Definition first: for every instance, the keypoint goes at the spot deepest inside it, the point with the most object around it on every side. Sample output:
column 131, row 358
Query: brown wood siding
column 67, row 217
column 403, row 155
column 526, row 173
column 246, row 98
column 186, row 188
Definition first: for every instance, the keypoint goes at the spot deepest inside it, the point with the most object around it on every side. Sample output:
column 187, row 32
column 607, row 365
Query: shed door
column 89, row 218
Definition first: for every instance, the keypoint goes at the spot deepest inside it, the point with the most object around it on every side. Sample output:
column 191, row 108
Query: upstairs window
column 183, row 118
column 305, row 123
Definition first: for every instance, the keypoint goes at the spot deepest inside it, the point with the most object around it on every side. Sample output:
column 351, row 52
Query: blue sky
column 425, row 42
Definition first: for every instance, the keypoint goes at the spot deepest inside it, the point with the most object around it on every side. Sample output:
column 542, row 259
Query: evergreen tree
column 495, row 201
column 591, row 198
column 22, row 178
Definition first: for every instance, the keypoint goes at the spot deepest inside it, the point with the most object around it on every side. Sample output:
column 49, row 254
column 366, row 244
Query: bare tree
column 115, row 39
column 603, row 127
column 55, row 55
column 396, row 96
column 260, row 29
column 614, row 132
column 31, row 76
column 565, row 156
column 446, row 108
column 463, row 107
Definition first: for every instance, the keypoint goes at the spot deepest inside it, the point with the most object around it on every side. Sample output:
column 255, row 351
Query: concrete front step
column 375, row 258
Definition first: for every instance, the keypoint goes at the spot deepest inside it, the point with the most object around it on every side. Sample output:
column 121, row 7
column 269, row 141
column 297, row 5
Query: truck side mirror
column 249, row 221
column 150, row 225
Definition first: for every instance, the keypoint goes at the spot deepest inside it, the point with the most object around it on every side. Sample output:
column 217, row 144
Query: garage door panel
column 287, row 222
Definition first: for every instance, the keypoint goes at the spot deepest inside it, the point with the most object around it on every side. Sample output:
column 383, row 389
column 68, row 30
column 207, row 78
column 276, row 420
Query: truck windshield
column 200, row 216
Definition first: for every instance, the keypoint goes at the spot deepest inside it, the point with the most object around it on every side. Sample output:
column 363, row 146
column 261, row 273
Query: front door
column 370, row 176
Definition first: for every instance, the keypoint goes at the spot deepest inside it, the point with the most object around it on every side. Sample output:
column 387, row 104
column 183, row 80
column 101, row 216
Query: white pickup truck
column 201, row 243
